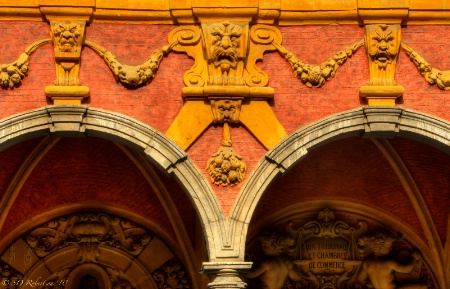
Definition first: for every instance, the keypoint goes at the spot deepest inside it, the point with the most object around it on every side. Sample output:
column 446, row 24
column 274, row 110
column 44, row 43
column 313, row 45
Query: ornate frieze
column 12, row 74
column 88, row 232
column 431, row 75
column 317, row 75
column 331, row 253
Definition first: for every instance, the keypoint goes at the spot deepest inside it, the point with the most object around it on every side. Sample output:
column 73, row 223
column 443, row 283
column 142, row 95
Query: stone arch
column 82, row 121
column 83, row 252
column 370, row 122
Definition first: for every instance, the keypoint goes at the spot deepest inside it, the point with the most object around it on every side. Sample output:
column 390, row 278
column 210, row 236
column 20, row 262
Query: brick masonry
column 294, row 104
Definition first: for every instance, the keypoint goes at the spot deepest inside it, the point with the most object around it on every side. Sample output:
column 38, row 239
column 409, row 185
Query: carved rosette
column 335, row 250
column 88, row 232
column 171, row 275
column 382, row 46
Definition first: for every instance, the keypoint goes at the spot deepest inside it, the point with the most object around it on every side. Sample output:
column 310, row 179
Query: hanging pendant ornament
column 226, row 167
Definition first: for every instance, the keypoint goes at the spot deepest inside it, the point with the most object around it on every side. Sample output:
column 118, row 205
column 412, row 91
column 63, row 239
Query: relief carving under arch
column 334, row 249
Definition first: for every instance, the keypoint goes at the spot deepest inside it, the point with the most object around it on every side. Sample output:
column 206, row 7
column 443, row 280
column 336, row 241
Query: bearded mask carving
column 383, row 48
column 382, row 45
column 226, row 45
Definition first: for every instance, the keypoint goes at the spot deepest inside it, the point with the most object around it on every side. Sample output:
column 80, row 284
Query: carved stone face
column 68, row 34
column 225, row 38
column 383, row 46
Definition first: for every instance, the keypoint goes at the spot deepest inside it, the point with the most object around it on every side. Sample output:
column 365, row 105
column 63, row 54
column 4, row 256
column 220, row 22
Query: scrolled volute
column 13, row 73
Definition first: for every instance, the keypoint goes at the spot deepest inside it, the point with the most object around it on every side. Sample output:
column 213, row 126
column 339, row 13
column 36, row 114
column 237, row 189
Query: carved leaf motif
column 431, row 75
column 12, row 74
column 132, row 75
column 171, row 275
column 88, row 232
column 317, row 75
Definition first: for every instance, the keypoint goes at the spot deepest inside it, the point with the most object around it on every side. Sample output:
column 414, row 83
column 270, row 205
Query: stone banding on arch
column 83, row 121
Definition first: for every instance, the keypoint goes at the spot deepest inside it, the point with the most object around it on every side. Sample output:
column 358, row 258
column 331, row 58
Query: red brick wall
column 86, row 170
column 430, row 169
column 352, row 170
column 158, row 103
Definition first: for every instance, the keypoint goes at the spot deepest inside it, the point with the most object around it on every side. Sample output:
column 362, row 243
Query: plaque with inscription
column 328, row 252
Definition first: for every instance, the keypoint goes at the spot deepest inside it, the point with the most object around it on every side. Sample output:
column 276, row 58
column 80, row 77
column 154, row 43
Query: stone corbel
column 382, row 43
column 225, row 55
column 68, row 40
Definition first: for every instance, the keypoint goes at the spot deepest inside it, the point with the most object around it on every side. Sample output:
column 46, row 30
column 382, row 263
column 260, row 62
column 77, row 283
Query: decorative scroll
column 171, row 275
column 431, row 75
column 132, row 75
column 327, row 253
column 226, row 167
column 88, row 232
column 12, row 74
column 263, row 38
column 317, row 75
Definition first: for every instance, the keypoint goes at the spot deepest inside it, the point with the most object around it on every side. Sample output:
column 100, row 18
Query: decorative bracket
column 225, row 74
column 382, row 46
column 68, row 39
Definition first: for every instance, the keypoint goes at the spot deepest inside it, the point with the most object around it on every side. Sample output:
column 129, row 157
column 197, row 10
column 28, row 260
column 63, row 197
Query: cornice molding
column 281, row 12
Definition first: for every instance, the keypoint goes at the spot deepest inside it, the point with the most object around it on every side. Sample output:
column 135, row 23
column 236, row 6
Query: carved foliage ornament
column 88, row 232
column 332, row 254
column 171, row 275
column 12, row 74
column 132, row 75
column 317, row 75
column 431, row 75
column 226, row 167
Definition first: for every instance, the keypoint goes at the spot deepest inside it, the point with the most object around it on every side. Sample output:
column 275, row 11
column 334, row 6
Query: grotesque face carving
column 68, row 34
column 225, row 42
column 383, row 47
